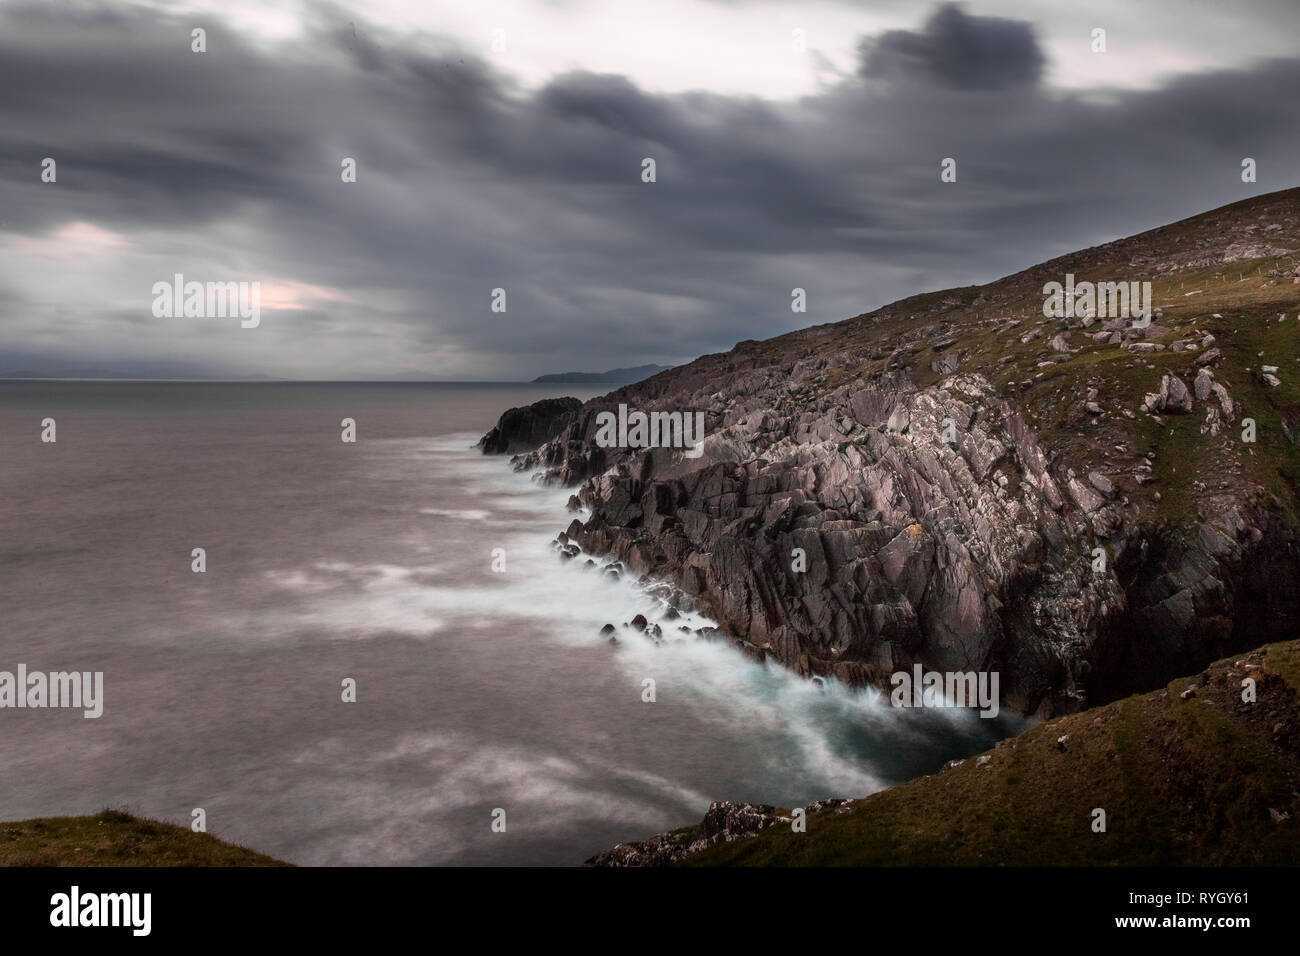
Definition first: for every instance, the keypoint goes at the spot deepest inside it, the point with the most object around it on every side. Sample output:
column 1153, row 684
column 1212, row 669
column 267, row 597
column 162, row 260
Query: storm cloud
column 226, row 165
column 959, row 51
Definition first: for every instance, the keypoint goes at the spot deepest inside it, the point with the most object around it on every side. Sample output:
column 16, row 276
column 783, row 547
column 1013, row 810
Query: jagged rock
column 1252, row 250
column 1226, row 403
column 1101, row 483
column 937, row 530
column 838, row 804
column 524, row 429
column 947, row 364
column 1208, row 357
column 1204, row 384
column 914, row 545
column 1174, row 397
column 724, row 822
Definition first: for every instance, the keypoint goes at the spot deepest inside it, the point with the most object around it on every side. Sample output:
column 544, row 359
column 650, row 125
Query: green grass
column 1183, row 782
column 115, row 838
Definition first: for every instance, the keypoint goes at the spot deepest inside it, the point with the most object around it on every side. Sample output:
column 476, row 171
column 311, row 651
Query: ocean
column 476, row 690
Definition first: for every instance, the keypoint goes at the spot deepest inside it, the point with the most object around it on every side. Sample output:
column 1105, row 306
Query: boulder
column 1204, row 384
column 1209, row 357
column 1175, row 399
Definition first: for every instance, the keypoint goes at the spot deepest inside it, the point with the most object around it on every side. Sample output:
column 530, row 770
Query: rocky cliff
column 523, row 429
column 1084, row 505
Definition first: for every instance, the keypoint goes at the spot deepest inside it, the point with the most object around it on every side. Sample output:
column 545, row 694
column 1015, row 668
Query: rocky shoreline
column 725, row 822
column 957, row 482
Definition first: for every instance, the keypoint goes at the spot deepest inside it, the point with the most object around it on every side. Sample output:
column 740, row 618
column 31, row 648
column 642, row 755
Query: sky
column 501, row 146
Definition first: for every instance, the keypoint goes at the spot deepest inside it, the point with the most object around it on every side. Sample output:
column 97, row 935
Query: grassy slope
column 113, row 838
column 1183, row 782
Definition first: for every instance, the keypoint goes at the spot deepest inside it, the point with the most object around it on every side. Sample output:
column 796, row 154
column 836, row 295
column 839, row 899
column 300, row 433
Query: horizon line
column 293, row 381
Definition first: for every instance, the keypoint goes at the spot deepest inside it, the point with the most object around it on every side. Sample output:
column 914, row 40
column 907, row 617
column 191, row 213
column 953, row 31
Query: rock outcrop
column 858, row 508
column 724, row 823
column 523, row 429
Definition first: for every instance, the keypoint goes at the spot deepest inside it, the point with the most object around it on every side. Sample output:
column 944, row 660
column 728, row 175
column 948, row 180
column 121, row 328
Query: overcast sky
column 518, row 164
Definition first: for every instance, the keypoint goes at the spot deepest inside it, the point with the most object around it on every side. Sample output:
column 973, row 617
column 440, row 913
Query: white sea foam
column 475, row 690
column 464, row 514
column 818, row 735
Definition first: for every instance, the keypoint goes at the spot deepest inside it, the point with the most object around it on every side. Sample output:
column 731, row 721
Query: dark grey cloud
column 468, row 182
column 958, row 50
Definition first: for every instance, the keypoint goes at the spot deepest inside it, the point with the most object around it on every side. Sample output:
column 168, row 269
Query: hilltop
column 115, row 838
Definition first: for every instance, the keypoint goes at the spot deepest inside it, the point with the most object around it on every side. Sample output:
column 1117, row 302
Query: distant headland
column 615, row 376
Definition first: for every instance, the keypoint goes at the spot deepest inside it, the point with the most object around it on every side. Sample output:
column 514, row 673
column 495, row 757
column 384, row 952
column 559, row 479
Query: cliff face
column 956, row 481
